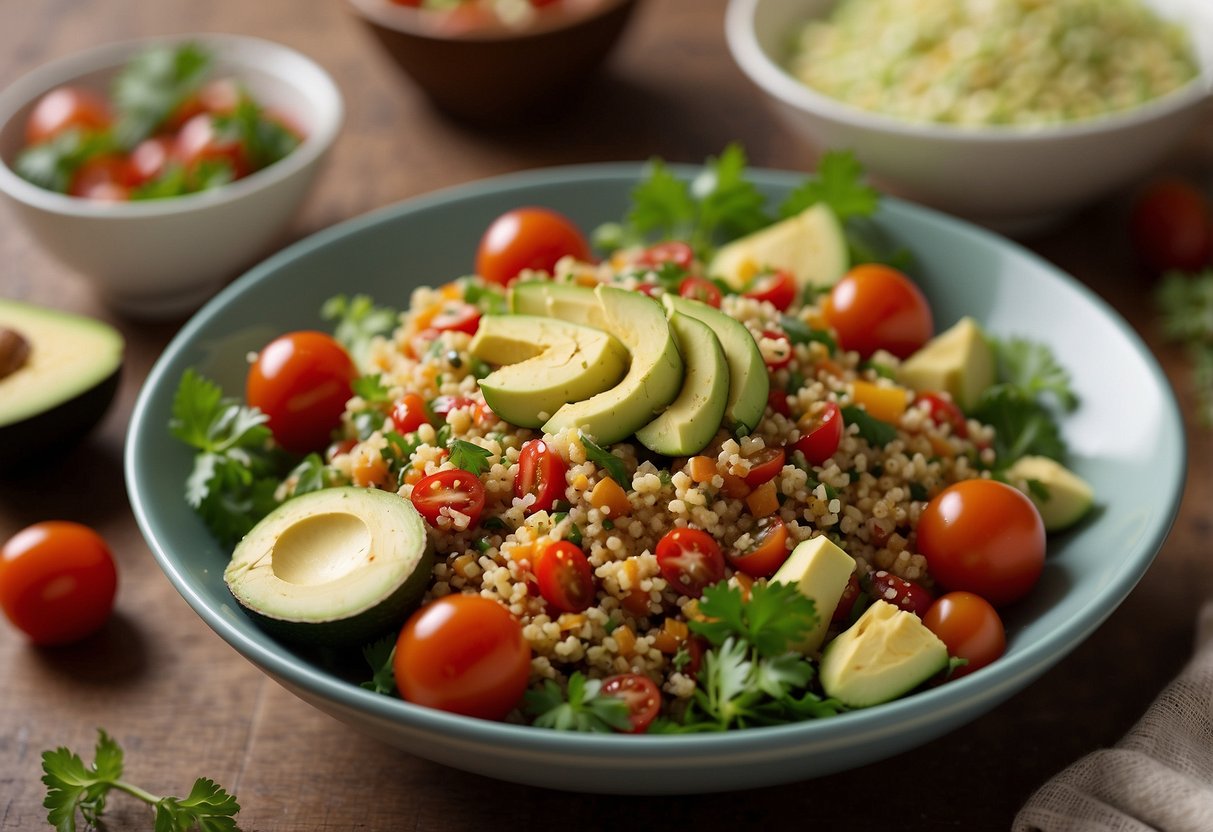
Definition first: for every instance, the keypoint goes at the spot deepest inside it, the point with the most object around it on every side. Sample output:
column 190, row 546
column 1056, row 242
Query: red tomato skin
column 527, row 238
column 149, row 158
column 565, row 577
column 700, row 289
column 642, row 695
column 64, row 108
column 541, row 471
column 199, row 141
column 767, row 553
column 1171, row 226
column 846, row 603
column 877, row 307
column 457, row 316
column 464, row 654
column 689, row 560
column 985, row 537
column 669, row 251
column 451, row 488
column 765, row 465
column 777, row 288
column 782, row 359
column 104, row 178
column 901, row 593
column 57, row 582
column 777, row 400
column 821, row 441
column 302, row 381
column 944, row 411
column 408, row 413
column 970, row 627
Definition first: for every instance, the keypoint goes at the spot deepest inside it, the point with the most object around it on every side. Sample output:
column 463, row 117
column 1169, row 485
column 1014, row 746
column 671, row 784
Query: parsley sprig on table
column 1186, row 303
column 75, row 788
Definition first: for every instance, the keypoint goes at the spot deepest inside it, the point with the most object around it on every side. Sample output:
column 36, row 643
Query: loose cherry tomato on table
column 65, row 108
column 641, row 694
column 669, row 251
column 1171, row 226
column 465, row 654
column 689, row 559
column 821, row 434
column 765, row 465
column 700, row 289
column 566, row 580
column 777, row 288
column 408, row 413
column 457, row 316
column 527, row 238
column 541, row 472
column 767, row 551
column 876, row 307
column 57, row 581
column 983, row 536
column 906, row 595
column 970, row 627
column 443, row 492
column 102, row 177
column 944, row 411
column 301, row 381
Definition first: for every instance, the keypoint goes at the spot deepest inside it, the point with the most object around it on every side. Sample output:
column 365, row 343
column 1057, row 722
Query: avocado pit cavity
column 14, row 351
column 322, row 548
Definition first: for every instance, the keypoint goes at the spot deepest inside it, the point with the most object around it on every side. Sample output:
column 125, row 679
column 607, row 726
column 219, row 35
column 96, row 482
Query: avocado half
column 335, row 566
column 58, row 376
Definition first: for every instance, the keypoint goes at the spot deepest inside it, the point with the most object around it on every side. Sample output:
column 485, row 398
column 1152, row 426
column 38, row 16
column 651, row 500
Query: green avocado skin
column 59, row 429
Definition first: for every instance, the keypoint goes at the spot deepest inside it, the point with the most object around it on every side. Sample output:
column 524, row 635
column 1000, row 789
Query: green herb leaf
column 265, row 140
column 583, row 708
column 380, row 655
column 1186, row 304
column 772, row 621
column 1022, row 425
column 53, row 163
column 799, row 332
column 661, row 203
column 607, row 461
column 729, row 205
column 1031, row 368
column 358, row 322
column 839, row 184
column 309, row 475
column 372, row 389
column 470, row 457
column 875, row 432
column 152, row 86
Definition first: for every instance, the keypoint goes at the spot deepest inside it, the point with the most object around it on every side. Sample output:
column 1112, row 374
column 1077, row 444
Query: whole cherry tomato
column 970, row 627
column 301, row 381
column 876, row 307
column 408, row 413
column 1171, row 226
column 64, row 108
column 527, row 238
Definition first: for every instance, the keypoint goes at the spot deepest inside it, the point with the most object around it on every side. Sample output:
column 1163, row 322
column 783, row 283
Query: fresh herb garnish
column 358, row 322
column 606, row 460
column 380, row 655
column 470, row 457
column 1031, row 368
column 1186, row 303
column 73, row 787
column 264, row 140
column 1022, row 425
column 584, row 707
column 875, row 432
column 371, row 388
column 771, row 621
column 799, row 332
column 53, row 163
column 839, row 184
column 309, row 475
column 177, row 180
column 152, row 86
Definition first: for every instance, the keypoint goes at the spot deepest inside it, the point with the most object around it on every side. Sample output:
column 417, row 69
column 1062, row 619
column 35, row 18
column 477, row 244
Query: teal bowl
column 1133, row 455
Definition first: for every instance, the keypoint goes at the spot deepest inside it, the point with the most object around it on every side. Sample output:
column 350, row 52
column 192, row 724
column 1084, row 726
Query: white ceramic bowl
column 1012, row 178
column 163, row 258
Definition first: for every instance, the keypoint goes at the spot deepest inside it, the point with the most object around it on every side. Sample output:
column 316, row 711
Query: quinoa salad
column 624, row 587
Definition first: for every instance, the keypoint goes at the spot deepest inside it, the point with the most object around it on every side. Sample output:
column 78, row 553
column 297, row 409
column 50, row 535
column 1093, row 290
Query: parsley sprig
column 1186, row 303
column 357, row 322
column 380, row 655
column 469, row 456
column 153, row 85
column 606, row 460
column 582, row 708
column 75, row 788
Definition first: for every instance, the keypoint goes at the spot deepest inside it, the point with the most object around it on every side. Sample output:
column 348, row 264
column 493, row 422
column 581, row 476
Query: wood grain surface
column 184, row 704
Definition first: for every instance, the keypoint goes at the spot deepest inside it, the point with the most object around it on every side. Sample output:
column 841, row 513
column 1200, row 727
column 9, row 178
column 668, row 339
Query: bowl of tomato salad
column 129, row 162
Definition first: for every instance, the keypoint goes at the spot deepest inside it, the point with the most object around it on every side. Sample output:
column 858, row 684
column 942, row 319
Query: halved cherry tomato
column 782, row 355
column 700, row 289
column 408, row 413
column 541, row 472
column 149, row 158
column 820, row 434
column 1171, row 226
column 642, row 695
column 909, row 596
column 64, row 108
column 441, row 406
column 983, row 536
column 689, row 559
column 457, row 316
column 944, row 411
column 102, row 177
column 200, row 140
column 527, row 238
column 566, row 580
column 650, row 289
column 765, row 465
column 777, row 400
column 57, row 581
column 465, row 654
column 452, row 490
column 301, row 381
column 669, row 251
column 970, row 627
column 876, row 307
column 777, row 288
column 846, row 603
column 767, row 551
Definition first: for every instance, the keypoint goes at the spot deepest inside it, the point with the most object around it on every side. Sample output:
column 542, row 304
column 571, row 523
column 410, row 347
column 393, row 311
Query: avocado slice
column 958, row 360
column 886, row 653
column 1062, row 498
column 820, row 570
column 749, row 383
column 691, row 421
column 563, row 301
column 335, row 566
column 547, row 364
column 58, row 376
column 811, row 245
column 653, row 379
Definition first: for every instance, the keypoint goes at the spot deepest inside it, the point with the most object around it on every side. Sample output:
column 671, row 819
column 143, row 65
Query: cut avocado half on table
column 692, row 420
column 336, row 566
column 811, row 245
column 58, row 376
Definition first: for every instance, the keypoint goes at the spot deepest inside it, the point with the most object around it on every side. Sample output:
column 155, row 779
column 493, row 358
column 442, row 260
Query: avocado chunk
column 60, row 374
column 811, row 245
column 547, row 364
column 821, row 571
column 1061, row 496
column 563, row 301
column 886, row 653
column 653, row 379
column 958, row 360
column 749, row 383
column 335, row 566
column 691, row 421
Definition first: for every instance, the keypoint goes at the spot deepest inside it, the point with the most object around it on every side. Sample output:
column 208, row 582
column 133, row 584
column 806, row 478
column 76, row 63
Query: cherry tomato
column 457, row 316
column 465, row 654
column 566, row 580
column 689, row 559
column 765, row 465
column 302, row 381
column 909, row 596
column 527, row 238
column 541, row 472
column 442, row 406
column 57, row 581
column 876, row 307
column 1171, row 226
column 821, row 434
column 64, row 108
column 970, row 627
column 452, row 490
column 944, row 411
column 983, row 536
column 102, row 177
column 149, row 158
column 408, row 413
column 642, row 695
column 777, row 400
column 846, row 603
column 777, row 288
column 219, row 97
column 700, row 289
column 650, row 289
column 767, row 551
column 669, row 251
column 782, row 355
column 201, row 141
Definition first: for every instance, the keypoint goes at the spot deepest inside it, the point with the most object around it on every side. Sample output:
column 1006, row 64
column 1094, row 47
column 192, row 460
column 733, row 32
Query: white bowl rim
column 321, row 90
column 767, row 74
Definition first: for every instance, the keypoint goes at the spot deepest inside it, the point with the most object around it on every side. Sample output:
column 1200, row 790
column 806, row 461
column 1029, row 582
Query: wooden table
column 184, row 704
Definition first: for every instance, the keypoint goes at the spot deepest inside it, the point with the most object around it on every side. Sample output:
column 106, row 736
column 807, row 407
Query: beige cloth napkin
column 1158, row 777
